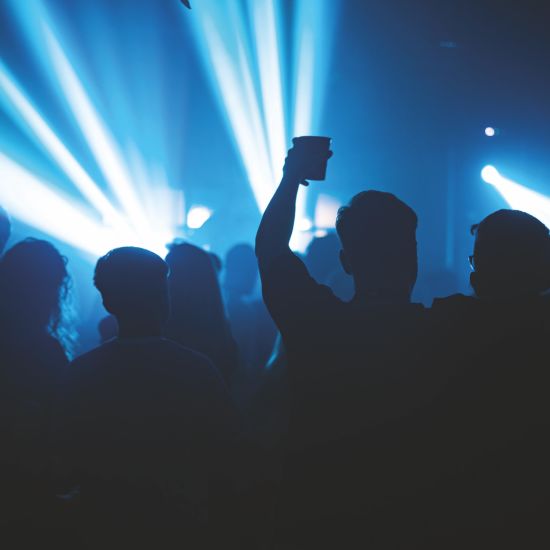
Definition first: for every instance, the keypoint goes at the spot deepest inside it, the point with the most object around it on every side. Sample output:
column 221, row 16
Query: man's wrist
column 290, row 180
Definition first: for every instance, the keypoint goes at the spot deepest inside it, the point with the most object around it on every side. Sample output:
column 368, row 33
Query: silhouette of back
column 148, row 423
column 33, row 286
column 494, row 409
column 353, row 371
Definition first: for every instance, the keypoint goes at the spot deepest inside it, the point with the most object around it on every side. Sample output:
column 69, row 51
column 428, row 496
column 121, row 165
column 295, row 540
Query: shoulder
column 187, row 363
column 93, row 356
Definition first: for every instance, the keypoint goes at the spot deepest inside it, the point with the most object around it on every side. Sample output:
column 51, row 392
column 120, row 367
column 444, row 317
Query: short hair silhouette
column 133, row 282
column 241, row 269
column 511, row 255
column 378, row 235
column 35, row 287
column 5, row 229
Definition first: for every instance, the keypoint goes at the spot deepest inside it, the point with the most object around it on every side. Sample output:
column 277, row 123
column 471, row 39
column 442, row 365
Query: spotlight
column 198, row 216
column 34, row 202
column 490, row 132
column 522, row 198
column 305, row 224
column 326, row 211
column 490, row 174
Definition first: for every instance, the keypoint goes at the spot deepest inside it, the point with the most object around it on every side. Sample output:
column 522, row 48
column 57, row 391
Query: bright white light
column 305, row 224
column 55, row 147
column 99, row 139
column 33, row 201
column 320, row 233
column 490, row 175
column 267, row 49
column 326, row 210
column 226, row 54
column 522, row 198
column 312, row 36
column 489, row 132
column 198, row 216
column 247, row 66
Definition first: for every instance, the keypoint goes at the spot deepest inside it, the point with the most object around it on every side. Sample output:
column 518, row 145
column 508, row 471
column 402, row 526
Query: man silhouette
column 148, row 423
column 350, row 365
column 494, row 408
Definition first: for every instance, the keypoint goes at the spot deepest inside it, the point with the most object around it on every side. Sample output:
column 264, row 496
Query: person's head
column 241, row 270
column 34, row 289
column 195, row 295
column 133, row 284
column 378, row 235
column 511, row 256
column 5, row 229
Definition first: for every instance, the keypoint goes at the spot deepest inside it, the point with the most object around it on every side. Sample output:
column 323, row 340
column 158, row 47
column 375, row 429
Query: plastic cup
column 315, row 149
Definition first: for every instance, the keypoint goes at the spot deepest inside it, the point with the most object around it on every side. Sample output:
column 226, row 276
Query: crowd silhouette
column 334, row 413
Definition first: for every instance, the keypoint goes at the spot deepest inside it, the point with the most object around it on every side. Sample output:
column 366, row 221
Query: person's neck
column 138, row 329
column 366, row 296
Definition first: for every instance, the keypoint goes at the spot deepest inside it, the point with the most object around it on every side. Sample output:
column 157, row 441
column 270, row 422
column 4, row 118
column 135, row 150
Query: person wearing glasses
column 490, row 419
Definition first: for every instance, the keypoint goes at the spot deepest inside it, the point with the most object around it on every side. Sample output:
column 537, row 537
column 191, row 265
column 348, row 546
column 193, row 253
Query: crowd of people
column 335, row 413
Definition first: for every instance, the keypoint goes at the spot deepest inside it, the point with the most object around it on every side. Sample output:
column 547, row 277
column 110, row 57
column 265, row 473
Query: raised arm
column 278, row 220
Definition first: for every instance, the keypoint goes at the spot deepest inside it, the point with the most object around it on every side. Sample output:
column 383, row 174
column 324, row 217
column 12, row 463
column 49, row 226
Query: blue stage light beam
column 267, row 38
column 518, row 196
column 246, row 63
column 224, row 46
column 312, row 45
column 99, row 139
column 34, row 202
column 147, row 208
column 31, row 121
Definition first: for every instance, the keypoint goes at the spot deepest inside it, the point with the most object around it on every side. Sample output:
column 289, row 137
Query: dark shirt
column 353, row 376
column 490, row 420
column 148, row 427
column 219, row 346
column 32, row 366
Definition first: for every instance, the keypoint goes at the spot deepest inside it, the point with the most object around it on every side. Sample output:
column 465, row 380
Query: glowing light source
column 326, row 210
column 144, row 214
column 304, row 224
column 518, row 196
column 490, row 174
column 34, row 202
column 198, row 216
column 489, row 131
column 42, row 132
column 99, row 139
column 246, row 63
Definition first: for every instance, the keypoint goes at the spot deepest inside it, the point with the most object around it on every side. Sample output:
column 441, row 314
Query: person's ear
column 344, row 260
column 107, row 305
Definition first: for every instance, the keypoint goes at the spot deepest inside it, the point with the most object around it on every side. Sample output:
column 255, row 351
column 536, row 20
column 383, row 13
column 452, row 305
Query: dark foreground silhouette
column 148, row 428
column 379, row 423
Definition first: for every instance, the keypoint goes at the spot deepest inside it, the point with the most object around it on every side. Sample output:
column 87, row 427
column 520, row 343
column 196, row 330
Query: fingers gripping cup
column 315, row 151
